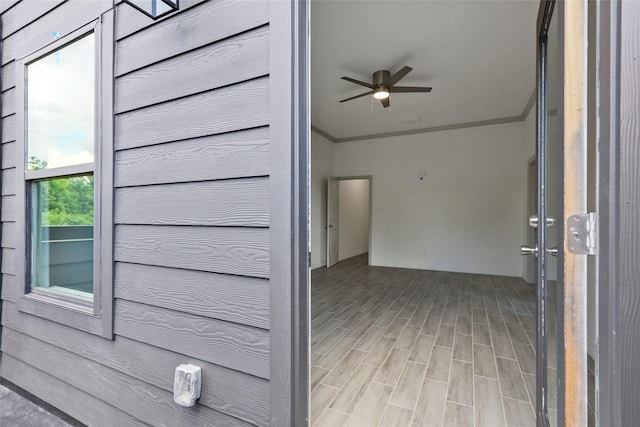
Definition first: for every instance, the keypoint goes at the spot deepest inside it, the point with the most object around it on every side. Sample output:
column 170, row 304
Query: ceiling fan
column 383, row 85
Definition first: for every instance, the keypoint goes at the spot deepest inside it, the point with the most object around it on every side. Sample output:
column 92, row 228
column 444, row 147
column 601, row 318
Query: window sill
column 68, row 310
column 55, row 296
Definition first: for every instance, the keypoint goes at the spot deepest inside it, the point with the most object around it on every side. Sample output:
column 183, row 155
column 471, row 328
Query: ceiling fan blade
column 397, row 76
column 358, row 82
column 358, row 96
column 406, row 89
column 385, row 102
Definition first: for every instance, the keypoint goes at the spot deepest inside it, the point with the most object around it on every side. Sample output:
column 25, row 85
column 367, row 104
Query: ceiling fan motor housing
column 380, row 77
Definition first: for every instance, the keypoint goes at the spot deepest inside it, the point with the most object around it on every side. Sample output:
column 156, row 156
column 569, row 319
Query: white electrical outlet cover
column 187, row 384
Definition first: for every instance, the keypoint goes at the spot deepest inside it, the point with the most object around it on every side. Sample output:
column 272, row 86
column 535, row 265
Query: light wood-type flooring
column 399, row 347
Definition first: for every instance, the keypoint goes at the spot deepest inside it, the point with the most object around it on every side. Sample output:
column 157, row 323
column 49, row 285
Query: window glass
column 62, row 229
column 61, row 106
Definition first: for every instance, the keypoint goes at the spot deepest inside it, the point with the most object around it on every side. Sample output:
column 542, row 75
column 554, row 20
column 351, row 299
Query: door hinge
column 582, row 233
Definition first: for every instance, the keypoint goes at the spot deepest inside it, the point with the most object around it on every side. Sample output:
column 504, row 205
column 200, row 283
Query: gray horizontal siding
column 10, row 289
column 131, row 21
column 37, row 34
column 240, row 251
column 28, row 26
column 84, row 407
column 238, row 202
column 191, row 244
column 19, row 17
column 8, row 102
column 8, row 76
column 7, row 4
column 233, row 60
column 8, row 208
column 8, row 129
column 8, row 261
column 235, row 393
column 12, row 20
column 237, row 107
column 231, row 155
column 8, row 181
column 236, row 299
column 141, row 400
column 242, row 348
column 8, row 234
column 192, row 187
column 8, row 155
column 195, row 27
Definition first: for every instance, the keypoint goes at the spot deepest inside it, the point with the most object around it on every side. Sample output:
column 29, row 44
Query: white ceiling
column 479, row 57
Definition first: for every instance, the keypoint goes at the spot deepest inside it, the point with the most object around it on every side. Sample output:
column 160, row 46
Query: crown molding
column 323, row 133
column 521, row 118
column 418, row 131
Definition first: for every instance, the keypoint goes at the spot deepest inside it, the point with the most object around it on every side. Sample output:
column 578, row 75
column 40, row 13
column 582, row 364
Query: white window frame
column 91, row 316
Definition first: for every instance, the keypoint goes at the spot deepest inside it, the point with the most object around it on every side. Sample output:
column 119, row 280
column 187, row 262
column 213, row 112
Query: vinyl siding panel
column 243, row 300
column 241, row 348
column 141, row 400
column 231, row 155
column 8, row 76
column 208, row 22
column 236, row 107
column 241, row 395
column 8, row 102
column 9, row 289
column 69, row 399
column 19, row 17
column 192, row 215
column 131, row 21
column 7, row 4
column 8, row 261
column 232, row 60
column 8, row 209
column 227, row 250
column 9, row 181
column 37, row 34
column 8, row 155
column 9, row 235
column 228, row 203
column 8, row 129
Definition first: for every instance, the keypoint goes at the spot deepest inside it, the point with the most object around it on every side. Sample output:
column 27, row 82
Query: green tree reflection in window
column 66, row 201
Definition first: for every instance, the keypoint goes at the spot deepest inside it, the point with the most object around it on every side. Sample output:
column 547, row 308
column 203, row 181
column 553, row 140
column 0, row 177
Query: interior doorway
column 348, row 218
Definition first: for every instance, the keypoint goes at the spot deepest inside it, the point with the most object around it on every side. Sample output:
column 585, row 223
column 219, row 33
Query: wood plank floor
column 399, row 347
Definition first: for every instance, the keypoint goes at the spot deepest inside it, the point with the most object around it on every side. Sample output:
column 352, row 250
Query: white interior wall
column 322, row 159
column 353, row 232
column 464, row 215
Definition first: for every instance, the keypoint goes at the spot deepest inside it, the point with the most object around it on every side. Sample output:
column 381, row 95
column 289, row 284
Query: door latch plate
column 581, row 233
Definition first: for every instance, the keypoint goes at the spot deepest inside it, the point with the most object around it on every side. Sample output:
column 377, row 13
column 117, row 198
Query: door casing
column 333, row 221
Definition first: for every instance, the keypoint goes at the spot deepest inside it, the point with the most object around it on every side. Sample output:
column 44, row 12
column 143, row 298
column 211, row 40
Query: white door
column 332, row 221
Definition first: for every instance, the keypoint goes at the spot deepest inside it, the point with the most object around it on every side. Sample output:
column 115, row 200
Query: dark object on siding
column 154, row 8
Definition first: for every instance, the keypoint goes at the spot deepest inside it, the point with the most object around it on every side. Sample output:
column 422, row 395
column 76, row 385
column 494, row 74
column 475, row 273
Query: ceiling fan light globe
column 381, row 94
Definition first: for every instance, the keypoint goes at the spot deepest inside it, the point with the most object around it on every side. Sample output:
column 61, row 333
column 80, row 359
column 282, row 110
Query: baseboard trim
column 354, row 253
